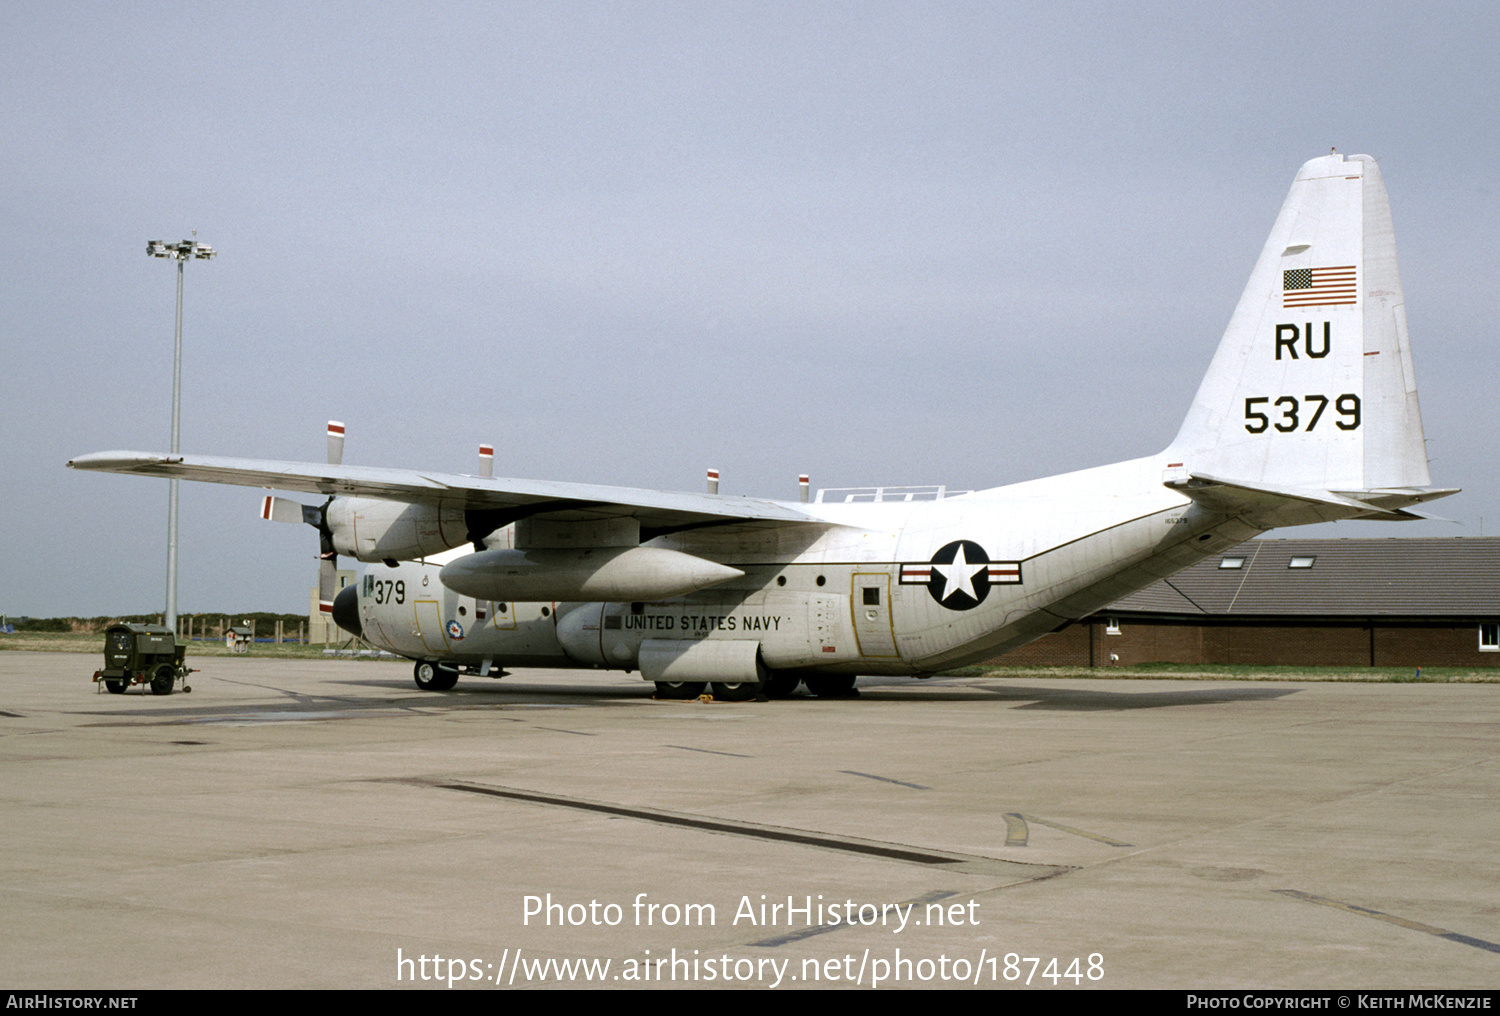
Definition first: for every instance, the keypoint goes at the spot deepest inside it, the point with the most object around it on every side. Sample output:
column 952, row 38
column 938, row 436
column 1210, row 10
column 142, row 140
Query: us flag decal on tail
column 1318, row 287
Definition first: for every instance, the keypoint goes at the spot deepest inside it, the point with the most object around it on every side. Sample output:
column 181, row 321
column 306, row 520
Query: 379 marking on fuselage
column 960, row 574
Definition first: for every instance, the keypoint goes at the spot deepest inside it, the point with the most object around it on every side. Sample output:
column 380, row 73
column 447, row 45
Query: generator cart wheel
column 116, row 687
column 162, row 679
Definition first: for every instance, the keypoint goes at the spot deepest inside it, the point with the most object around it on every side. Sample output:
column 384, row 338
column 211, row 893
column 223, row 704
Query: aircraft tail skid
column 1309, row 408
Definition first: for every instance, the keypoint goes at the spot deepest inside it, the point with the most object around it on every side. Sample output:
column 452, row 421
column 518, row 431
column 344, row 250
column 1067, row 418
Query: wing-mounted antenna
column 335, row 442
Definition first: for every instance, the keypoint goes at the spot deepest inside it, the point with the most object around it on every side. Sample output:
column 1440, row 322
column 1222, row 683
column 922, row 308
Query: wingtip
column 119, row 461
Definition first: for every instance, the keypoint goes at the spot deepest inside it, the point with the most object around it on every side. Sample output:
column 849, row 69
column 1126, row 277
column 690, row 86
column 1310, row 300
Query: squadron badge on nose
column 960, row 574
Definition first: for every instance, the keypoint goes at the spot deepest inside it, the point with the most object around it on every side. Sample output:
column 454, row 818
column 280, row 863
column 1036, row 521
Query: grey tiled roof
column 1391, row 577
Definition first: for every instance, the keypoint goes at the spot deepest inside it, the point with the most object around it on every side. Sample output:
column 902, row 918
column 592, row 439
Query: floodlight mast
column 179, row 252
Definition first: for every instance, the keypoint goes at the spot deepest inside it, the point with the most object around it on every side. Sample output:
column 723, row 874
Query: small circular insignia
column 960, row 577
column 455, row 631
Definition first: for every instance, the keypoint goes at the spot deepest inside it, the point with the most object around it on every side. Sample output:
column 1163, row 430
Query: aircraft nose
column 346, row 610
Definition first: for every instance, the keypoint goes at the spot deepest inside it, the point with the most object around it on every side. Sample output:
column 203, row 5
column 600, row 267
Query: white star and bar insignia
column 960, row 574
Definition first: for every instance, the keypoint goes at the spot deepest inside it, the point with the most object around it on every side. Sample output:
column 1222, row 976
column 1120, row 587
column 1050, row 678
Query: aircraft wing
column 509, row 499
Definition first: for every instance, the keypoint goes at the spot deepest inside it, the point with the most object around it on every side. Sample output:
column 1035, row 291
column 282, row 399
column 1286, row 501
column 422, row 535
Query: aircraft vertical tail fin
column 1312, row 387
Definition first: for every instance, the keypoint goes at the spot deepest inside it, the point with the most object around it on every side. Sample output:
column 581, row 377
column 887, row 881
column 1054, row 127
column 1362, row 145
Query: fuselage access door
column 870, row 603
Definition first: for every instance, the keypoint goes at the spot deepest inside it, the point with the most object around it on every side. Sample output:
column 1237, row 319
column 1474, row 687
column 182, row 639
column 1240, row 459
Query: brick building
column 1383, row 602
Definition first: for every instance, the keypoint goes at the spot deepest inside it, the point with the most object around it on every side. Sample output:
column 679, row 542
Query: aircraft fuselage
column 884, row 588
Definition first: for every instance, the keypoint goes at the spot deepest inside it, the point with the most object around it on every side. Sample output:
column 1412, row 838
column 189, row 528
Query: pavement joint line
column 885, row 779
column 1250, row 823
column 708, row 751
column 1021, row 871
column 1069, row 829
column 1400, row 922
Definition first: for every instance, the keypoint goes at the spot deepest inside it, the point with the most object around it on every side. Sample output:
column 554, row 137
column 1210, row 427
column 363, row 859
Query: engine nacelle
column 373, row 530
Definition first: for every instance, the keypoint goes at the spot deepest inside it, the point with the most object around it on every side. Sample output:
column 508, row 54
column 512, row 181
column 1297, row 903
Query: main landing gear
column 679, row 690
column 433, row 677
column 778, row 685
column 830, row 685
column 723, row 691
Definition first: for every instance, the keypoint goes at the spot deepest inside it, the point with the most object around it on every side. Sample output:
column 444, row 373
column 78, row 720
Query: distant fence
column 287, row 640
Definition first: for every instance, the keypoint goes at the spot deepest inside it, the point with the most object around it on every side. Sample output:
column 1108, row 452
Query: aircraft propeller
column 281, row 509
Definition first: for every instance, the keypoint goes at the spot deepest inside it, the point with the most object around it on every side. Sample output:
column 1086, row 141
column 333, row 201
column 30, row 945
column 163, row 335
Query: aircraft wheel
column 738, row 691
column 117, row 687
column 162, row 680
column 781, row 685
column 830, row 685
column 679, row 689
column 431, row 677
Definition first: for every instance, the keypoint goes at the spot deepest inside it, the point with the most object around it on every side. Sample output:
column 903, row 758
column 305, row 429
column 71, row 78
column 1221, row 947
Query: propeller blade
column 281, row 509
column 328, row 559
column 486, row 460
column 328, row 580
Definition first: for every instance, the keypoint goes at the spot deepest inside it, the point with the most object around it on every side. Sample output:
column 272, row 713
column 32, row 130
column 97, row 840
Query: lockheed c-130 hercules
column 1308, row 413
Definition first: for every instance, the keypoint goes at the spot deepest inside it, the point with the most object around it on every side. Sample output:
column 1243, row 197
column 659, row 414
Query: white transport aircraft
column 1308, row 414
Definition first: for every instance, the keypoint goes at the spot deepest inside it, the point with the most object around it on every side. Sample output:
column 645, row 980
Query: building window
column 1232, row 562
column 1111, row 626
column 1302, row 562
column 1489, row 638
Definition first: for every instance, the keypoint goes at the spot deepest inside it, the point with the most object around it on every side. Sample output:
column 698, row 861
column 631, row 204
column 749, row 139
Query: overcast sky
column 880, row 243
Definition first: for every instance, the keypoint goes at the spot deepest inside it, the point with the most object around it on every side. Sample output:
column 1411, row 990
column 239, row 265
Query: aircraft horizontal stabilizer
column 1267, row 505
